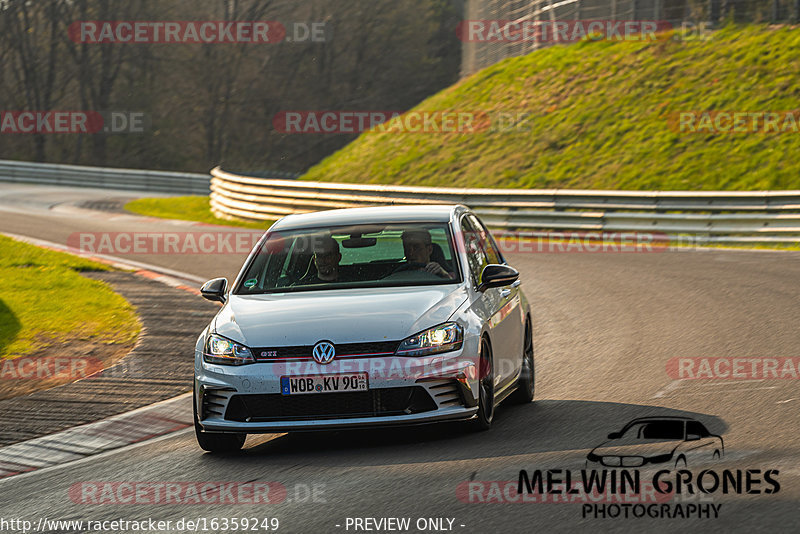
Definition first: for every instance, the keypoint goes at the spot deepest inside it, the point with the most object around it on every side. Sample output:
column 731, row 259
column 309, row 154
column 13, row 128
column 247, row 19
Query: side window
column 476, row 258
column 671, row 430
column 487, row 243
column 695, row 427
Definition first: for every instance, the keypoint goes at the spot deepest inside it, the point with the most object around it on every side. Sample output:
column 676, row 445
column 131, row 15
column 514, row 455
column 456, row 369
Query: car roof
column 372, row 215
column 661, row 418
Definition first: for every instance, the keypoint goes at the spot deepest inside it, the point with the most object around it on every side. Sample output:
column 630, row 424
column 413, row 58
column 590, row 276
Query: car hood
column 641, row 447
column 339, row 315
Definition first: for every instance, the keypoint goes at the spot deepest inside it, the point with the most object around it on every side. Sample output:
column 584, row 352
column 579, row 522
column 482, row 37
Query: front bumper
column 221, row 425
column 247, row 398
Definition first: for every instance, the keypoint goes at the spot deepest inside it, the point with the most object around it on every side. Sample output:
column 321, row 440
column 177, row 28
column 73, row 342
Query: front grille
column 375, row 402
column 622, row 461
column 342, row 349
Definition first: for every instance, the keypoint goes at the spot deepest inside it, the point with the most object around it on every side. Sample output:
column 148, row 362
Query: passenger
column 418, row 247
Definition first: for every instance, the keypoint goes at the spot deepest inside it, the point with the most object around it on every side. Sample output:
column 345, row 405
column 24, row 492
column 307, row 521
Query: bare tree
column 211, row 103
column 32, row 36
column 99, row 64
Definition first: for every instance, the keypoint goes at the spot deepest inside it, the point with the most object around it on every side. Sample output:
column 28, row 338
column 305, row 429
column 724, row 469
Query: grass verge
column 599, row 117
column 51, row 302
column 51, row 310
column 189, row 208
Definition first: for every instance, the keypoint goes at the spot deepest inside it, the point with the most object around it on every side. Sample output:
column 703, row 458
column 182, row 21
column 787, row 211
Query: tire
column 526, row 384
column 485, row 415
column 679, row 461
column 216, row 442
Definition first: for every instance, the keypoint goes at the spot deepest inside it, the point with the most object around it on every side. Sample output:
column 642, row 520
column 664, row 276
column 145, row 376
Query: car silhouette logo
column 658, row 440
column 323, row 352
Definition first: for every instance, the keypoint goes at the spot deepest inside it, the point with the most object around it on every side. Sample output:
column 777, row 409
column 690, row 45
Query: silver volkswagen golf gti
column 363, row 317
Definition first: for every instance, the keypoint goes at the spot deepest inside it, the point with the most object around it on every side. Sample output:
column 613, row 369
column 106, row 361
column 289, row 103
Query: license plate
column 303, row 385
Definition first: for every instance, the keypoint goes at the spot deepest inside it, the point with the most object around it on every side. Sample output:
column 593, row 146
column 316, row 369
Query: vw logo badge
column 323, row 352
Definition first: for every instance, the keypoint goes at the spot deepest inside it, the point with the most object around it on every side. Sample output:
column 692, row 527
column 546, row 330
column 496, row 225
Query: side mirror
column 215, row 290
column 615, row 435
column 494, row 275
column 692, row 437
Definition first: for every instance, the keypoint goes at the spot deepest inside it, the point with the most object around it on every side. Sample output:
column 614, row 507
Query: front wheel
column 216, row 442
column 527, row 377
column 485, row 415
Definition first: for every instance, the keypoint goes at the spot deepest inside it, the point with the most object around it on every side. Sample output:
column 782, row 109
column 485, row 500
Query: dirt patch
column 59, row 363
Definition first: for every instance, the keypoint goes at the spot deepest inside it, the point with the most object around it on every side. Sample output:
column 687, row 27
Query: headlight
column 442, row 338
column 224, row 351
column 660, row 459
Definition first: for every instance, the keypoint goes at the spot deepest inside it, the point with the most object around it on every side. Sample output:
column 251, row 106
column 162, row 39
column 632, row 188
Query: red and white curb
column 114, row 432
column 86, row 440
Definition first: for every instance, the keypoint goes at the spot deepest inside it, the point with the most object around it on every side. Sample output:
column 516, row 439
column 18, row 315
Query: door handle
column 505, row 292
column 516, row 283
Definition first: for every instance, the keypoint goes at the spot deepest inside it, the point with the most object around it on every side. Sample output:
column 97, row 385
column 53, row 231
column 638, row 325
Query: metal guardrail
column 102, row 177
column 716, row 216
column 719, row 216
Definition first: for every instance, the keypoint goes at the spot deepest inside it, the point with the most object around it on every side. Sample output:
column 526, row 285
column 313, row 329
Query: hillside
column 598, row 116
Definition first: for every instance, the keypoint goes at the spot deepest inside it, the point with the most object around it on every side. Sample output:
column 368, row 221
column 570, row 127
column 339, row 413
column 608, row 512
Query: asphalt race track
column 605, row 327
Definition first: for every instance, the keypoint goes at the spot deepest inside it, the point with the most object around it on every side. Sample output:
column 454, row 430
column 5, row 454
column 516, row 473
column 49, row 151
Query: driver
column 418, row 247
column 326, row 260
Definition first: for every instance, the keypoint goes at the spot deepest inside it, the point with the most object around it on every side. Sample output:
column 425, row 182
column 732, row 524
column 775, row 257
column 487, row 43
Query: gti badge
column 323, row 352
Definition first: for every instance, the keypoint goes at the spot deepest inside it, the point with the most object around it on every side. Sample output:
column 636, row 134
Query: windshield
column 663, row 430
column 382, row 255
